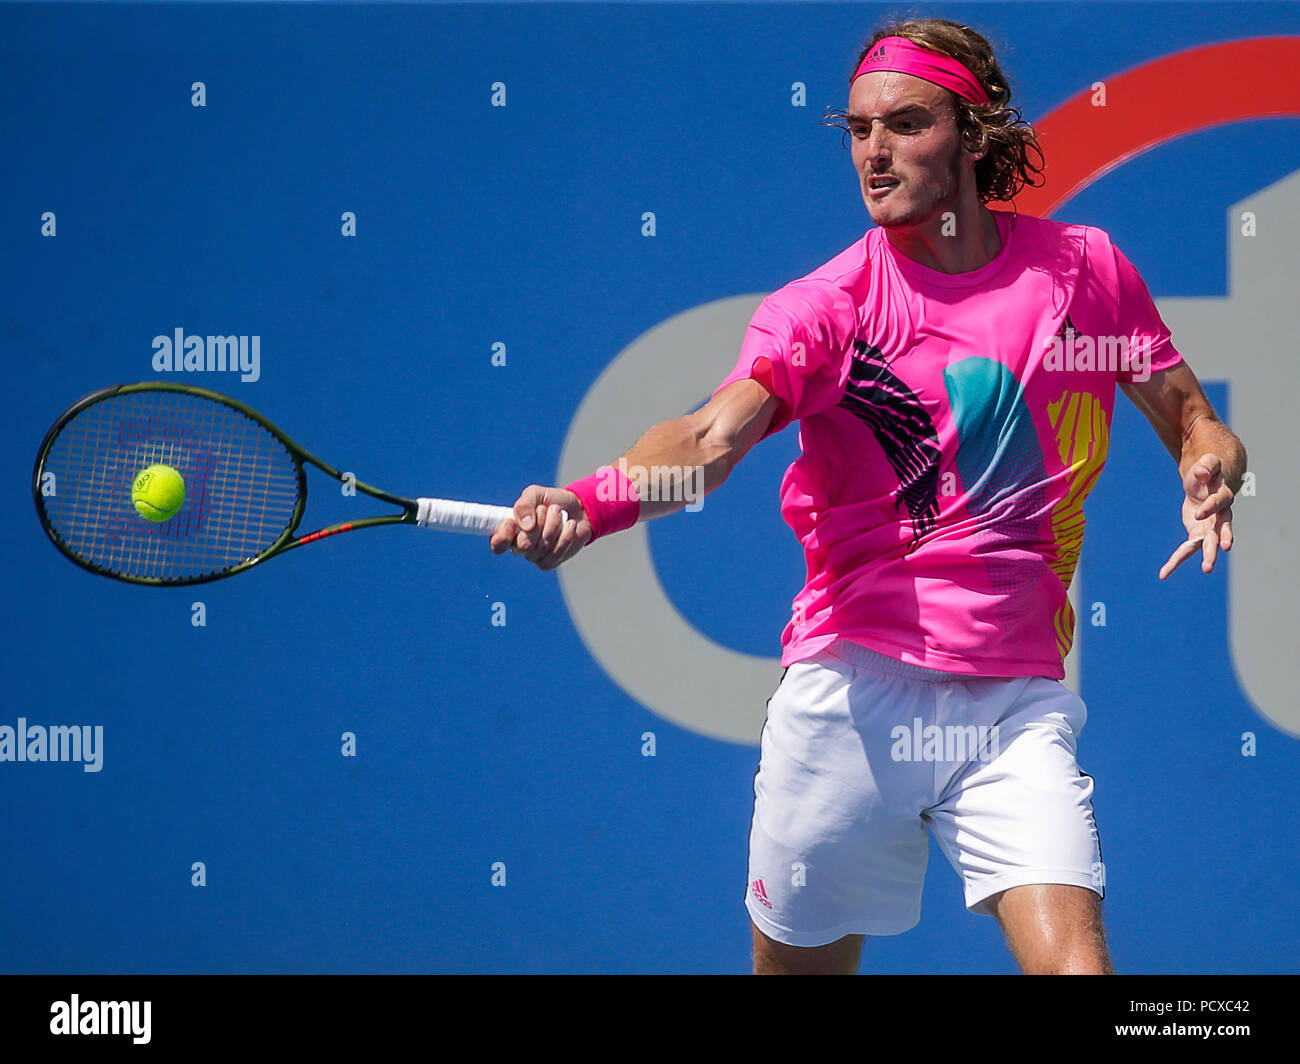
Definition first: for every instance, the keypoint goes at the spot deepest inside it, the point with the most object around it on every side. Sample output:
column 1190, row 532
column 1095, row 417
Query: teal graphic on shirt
column 1000, row 462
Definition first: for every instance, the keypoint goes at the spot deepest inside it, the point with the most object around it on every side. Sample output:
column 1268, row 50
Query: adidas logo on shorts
column 756, row 888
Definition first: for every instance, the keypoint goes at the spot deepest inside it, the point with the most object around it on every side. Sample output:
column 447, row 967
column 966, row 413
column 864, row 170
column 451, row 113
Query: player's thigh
column 1020, row 812
column 1053, row 928
column 841, row 957
column 837, row 843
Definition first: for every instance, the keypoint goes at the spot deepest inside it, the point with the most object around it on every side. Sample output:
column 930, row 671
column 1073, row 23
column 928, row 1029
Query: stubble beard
column 938, row 198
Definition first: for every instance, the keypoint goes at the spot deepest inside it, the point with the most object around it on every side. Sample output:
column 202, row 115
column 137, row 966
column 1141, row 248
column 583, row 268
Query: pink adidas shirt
column 951, row 427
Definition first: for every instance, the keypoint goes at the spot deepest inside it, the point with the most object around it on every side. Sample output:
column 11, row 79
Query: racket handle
column 476, row 518
column 448, row 515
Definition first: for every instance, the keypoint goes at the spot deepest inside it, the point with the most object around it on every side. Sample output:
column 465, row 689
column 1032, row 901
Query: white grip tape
column 475, row 518
column 448, row 515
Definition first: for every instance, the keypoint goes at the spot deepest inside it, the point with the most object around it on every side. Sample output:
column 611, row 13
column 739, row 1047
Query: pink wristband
column 609, row 499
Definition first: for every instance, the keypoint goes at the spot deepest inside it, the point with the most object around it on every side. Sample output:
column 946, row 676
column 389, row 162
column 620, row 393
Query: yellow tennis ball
column 158, row 493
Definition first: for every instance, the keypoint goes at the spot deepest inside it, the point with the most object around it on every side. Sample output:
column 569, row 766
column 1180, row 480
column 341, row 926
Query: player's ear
column 970, row 142
column 970, row 138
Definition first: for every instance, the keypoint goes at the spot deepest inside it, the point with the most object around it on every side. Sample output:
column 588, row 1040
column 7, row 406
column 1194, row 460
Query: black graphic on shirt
column 903, row 428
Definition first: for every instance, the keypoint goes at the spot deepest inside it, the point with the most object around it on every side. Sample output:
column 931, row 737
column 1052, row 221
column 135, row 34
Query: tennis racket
column 245, row 487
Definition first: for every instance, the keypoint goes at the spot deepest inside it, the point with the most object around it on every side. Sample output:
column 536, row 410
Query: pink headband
column 901, row 55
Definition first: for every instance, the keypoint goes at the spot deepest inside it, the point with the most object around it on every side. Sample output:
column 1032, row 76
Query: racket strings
column 241, row 486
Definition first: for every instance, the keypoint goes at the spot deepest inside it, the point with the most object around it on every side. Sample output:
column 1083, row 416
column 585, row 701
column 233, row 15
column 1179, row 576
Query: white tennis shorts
column 862, row 753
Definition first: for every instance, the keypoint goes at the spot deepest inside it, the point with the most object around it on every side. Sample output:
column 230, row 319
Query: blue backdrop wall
column 191, row 166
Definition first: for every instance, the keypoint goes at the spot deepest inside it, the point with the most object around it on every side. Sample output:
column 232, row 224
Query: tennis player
column 954, row 374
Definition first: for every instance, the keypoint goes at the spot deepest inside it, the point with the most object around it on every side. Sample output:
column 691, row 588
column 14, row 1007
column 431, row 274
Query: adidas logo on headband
column 907, row 57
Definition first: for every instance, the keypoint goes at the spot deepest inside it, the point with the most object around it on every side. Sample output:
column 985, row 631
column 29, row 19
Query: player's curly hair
column 1012, row 143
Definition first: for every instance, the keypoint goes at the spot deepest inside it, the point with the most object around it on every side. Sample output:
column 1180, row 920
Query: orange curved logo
column 1159, row 101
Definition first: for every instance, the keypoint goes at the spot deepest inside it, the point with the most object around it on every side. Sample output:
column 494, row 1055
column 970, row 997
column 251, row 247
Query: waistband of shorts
column 865, row 658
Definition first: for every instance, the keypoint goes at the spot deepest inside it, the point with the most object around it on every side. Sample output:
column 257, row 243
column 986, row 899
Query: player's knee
column 1086, row 959
column 777, row 958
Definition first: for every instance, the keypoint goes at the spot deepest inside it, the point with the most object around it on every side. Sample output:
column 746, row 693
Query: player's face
column 906, row 148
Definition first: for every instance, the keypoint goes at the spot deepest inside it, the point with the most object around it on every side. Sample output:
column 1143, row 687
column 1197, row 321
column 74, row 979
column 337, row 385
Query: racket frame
column 286, row 541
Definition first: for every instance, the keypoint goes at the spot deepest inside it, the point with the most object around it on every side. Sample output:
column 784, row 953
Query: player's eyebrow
column 866, row 120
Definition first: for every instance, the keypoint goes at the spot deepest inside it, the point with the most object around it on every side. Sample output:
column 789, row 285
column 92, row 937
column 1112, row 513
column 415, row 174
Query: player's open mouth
column 878, row 186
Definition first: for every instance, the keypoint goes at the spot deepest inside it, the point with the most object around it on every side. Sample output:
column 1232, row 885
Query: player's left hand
column 1207, row 515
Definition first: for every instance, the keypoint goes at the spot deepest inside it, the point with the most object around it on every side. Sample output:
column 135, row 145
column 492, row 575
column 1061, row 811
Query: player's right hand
column 538, row 529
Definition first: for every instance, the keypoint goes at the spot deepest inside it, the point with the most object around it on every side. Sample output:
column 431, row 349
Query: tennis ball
column 158, row 493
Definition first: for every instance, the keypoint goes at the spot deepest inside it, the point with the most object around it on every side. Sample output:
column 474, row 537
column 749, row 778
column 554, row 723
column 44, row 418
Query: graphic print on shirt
column 1082, row 439
column 1000, row 462
column 902, row 427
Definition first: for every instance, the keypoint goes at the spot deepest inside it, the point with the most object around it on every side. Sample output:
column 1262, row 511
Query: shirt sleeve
column 796, row 347
column 1150, row 344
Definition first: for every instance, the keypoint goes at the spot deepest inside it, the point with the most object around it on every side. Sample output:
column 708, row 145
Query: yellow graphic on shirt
column 1082, row 438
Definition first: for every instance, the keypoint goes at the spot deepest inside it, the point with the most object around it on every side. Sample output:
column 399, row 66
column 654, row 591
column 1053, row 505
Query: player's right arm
column 712, row 439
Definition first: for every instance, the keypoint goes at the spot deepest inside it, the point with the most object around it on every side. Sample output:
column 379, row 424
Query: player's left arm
column 1211, row 460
